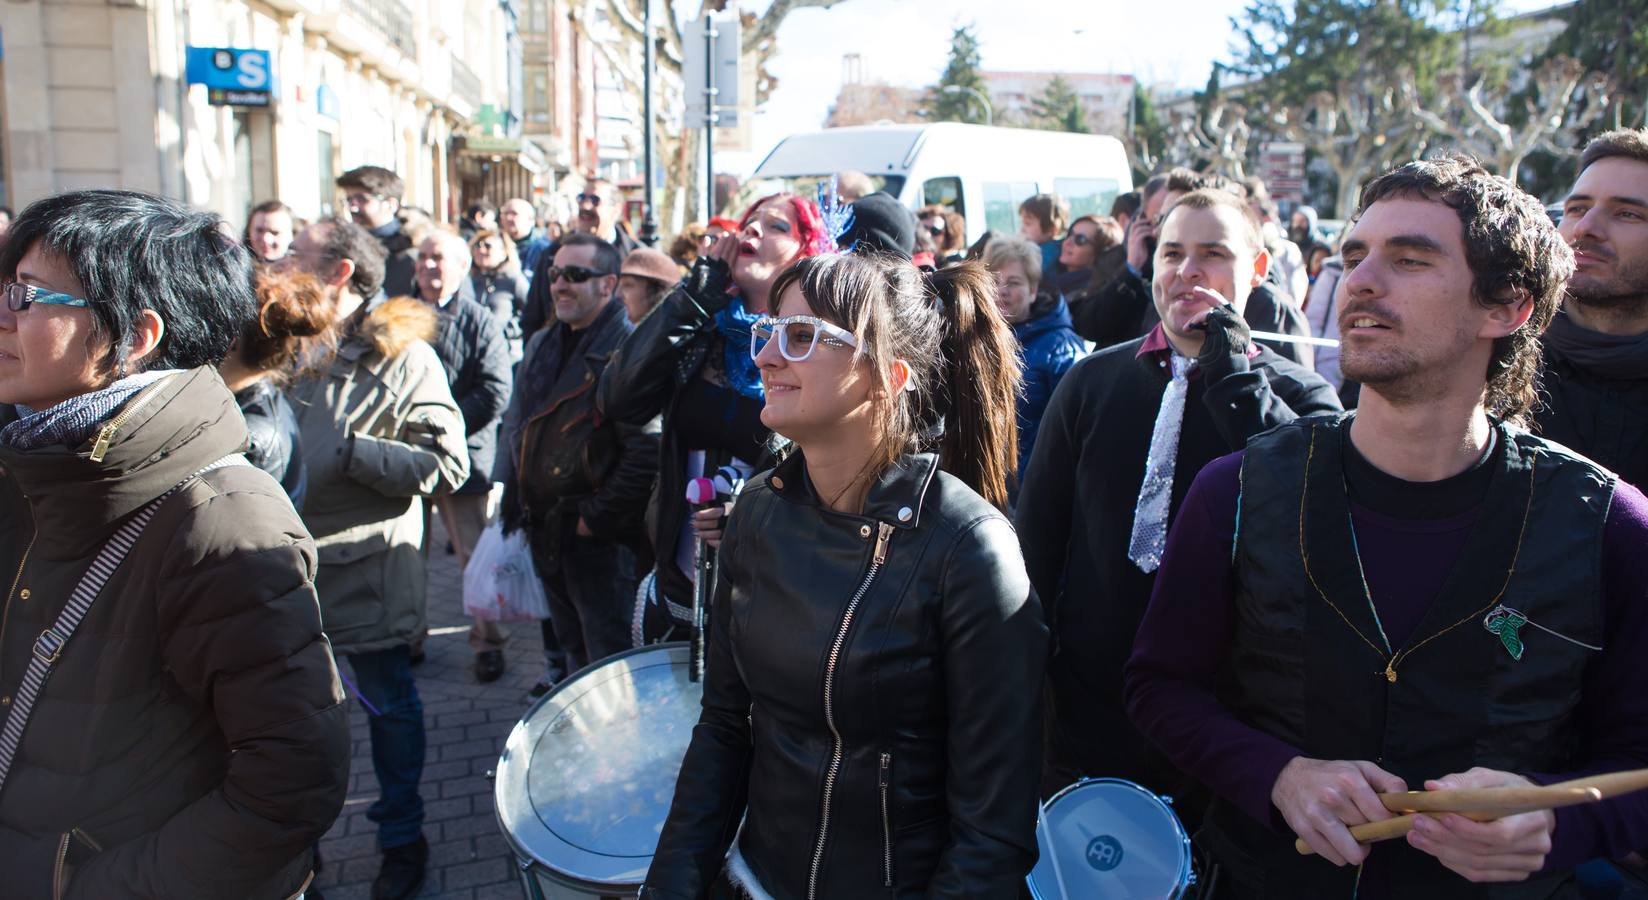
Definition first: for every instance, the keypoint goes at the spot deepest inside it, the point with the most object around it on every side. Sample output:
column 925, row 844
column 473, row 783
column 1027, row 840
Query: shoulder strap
column 49, row 646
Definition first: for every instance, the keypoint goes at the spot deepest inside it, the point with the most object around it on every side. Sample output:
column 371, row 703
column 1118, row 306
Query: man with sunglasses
column 597, row 217
column 373, row 195
column 577, row 482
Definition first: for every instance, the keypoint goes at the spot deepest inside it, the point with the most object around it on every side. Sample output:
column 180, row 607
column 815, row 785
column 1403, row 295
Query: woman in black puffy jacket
column 293, row 317
column 876, row 652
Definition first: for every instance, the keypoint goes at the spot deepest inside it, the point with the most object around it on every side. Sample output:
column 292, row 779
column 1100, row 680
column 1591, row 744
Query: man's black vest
column 1308, row 663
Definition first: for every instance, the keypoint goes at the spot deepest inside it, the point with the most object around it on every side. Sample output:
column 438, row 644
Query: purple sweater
column 1182, row 641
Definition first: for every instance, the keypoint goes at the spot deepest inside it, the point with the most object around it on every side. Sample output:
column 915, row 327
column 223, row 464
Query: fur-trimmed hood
column 395, row 324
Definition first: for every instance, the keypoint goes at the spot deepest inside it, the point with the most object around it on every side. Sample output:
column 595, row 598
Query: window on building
column 242, row 138
column 328, row 172
column 537, row 97
column 1001, row 204
column 538, row 16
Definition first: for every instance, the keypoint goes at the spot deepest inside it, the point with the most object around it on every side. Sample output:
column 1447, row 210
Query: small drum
column 586, row 779
column 1103, row 838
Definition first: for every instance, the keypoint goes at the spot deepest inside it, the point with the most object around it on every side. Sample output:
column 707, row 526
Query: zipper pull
column 882, row 537
column 886, row 764
column 105, row 436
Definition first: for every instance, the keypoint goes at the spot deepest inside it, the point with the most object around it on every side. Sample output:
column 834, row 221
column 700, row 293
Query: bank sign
column 232, row 72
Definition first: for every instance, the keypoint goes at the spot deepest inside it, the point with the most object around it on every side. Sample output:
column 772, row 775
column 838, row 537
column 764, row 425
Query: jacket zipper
column 886, row 821
column 106, row 435
column 838, row 747
column 57, row 870
column 63, row 857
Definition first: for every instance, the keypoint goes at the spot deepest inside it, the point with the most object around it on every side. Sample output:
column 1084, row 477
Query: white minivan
column 981, row 172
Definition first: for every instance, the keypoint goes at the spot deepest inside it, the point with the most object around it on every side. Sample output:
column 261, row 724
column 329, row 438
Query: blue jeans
column 395, row 723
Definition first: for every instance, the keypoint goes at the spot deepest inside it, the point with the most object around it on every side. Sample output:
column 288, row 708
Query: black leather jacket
column 646, row 378
column 871, row 701
column 559, row 459
column 273, row 443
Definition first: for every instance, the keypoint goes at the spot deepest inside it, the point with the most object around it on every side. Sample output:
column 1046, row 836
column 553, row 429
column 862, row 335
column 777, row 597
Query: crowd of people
column 1240, row 511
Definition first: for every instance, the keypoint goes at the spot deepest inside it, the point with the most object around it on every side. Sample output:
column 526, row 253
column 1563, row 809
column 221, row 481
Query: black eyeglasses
column 573, row 274
column 20, row 296
column 590, row 198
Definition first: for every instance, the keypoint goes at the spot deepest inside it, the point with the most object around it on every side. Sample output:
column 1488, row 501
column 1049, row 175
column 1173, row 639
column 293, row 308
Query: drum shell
column 586, row 776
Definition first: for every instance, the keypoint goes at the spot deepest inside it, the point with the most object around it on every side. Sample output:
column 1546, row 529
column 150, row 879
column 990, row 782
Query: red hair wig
column 809, row 223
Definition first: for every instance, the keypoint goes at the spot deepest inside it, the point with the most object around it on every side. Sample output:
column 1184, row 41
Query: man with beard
column 1596, row 350
column 1341, row 607
column 373, row 195
column 1123, row 435
column 578, row 482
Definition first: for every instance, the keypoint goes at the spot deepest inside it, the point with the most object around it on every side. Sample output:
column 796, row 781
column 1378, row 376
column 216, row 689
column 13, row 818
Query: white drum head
column 1111, row 838
column 586, row 778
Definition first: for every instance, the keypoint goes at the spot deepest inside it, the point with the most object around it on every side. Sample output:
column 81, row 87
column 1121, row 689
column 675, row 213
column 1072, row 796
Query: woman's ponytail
column 294, row 323
column 978, row 384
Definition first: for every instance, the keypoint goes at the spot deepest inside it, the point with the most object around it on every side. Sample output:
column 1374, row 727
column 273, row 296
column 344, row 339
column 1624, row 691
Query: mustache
column 1371, row 310
column 1591, row 249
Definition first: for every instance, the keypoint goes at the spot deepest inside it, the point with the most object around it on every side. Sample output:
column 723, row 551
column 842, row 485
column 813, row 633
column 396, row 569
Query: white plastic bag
column 499, row 584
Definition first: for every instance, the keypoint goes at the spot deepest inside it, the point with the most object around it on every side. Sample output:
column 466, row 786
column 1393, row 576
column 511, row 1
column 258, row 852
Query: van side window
column 943, row 192
column 1001, row 204
column 1087, row 196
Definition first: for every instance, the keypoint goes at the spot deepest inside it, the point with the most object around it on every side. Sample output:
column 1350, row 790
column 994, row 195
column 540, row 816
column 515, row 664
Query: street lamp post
column 649, row 221
column 989, row 112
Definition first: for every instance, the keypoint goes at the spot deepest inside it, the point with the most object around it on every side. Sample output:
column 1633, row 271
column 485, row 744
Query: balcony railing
column 466, row 85
column 389, row 19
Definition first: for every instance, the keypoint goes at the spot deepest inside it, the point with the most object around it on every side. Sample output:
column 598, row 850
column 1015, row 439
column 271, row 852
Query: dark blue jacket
column 1050, row 348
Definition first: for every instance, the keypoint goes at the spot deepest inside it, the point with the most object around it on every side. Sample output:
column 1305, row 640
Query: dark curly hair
column 1513, row 251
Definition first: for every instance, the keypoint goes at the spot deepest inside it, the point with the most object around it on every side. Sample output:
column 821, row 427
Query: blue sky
column 906, row 42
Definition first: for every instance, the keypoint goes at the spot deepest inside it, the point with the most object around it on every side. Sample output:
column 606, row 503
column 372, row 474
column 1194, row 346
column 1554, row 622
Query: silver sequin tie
column 1150, row 515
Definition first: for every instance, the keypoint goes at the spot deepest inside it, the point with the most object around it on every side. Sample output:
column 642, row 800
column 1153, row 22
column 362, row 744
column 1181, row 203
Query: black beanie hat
column 881, row 224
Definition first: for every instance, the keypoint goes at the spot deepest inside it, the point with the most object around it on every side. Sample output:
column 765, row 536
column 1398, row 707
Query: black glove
column 510, row 513
column 709, row 284
column 1224, row 350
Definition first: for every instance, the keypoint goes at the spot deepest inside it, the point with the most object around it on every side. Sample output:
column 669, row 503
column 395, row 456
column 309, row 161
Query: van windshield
column 806, row 186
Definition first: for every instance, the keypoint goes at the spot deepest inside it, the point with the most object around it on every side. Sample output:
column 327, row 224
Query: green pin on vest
column 1507, row 623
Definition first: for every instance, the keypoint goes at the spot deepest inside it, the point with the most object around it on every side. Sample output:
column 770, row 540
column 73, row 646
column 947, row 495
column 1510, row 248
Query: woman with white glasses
column 876, row 653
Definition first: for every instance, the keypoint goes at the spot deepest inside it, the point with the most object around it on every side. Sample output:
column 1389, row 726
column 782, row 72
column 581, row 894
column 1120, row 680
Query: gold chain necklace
column 1394, row 659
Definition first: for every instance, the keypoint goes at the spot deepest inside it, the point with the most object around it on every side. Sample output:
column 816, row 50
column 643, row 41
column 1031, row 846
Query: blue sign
column 326, row 103
column 231, row 68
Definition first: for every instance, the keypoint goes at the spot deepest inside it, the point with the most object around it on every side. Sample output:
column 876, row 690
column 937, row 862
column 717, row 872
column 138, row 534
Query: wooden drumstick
column 1488, row 804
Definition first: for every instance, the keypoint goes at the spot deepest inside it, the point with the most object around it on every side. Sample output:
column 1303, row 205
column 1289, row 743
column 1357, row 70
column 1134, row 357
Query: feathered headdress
column 838, row 218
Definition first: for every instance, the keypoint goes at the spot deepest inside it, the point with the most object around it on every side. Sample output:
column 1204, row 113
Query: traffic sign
column 697, row 69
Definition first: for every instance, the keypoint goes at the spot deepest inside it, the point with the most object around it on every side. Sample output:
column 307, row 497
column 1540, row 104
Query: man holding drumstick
column 1363, row 604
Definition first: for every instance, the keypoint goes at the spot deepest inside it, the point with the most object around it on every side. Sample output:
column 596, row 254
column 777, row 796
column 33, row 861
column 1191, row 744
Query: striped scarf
column 73, row 422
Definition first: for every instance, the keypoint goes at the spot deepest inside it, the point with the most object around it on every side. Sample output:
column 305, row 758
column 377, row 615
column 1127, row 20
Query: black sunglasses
column 1080, row 240
column 935, row 230
column 590, row 198
column 573, row 274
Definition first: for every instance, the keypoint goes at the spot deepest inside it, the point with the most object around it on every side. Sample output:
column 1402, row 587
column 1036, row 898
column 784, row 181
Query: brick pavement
column 467, row 724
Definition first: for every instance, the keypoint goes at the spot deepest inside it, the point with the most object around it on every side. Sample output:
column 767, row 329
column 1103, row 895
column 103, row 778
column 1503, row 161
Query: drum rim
column 1186, row 871
column 526, row 860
